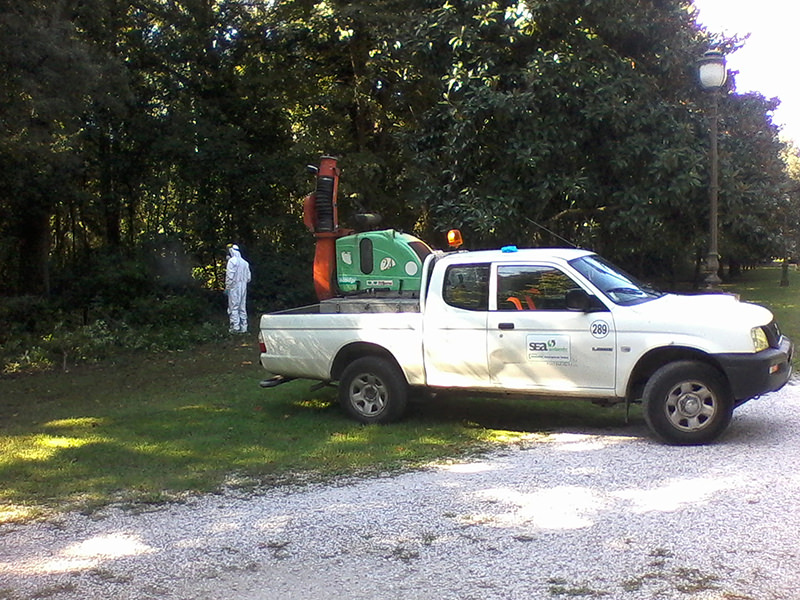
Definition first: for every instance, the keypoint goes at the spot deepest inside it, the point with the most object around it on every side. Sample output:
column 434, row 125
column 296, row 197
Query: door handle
column 505, row 326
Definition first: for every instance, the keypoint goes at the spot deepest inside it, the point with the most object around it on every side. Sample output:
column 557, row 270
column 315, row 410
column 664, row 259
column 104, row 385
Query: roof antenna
column 553, row 233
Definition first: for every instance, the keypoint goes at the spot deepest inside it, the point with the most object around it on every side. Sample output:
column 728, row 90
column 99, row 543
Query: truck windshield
column 615, row 283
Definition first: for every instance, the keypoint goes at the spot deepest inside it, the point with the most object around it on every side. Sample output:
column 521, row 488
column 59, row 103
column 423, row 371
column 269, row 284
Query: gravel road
column 611, row 515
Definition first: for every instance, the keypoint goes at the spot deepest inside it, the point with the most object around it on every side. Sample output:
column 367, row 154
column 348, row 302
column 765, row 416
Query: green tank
column 385, row 260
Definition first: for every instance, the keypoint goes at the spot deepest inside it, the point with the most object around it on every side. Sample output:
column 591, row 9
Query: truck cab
column 510, row 310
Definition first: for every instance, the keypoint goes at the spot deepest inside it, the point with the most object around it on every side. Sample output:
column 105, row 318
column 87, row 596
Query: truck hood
column 705, row 310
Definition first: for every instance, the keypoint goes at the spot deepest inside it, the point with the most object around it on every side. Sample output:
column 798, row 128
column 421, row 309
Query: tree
column 136, row 127
column 753, row 183
column 46, row 71
column 788, row 214
column 566, row 117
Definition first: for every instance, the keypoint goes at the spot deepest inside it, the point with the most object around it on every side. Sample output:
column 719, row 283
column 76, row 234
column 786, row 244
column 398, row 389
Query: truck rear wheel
column 373, row 390
column 687, row 403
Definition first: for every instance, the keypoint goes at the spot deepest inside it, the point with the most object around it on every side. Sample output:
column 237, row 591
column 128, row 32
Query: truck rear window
column 467, row 286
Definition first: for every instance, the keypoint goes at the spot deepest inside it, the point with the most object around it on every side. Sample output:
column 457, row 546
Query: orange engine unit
column 321, row 216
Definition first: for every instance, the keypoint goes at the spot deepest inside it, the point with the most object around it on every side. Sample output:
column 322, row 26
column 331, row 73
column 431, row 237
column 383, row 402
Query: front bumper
column 751, row 375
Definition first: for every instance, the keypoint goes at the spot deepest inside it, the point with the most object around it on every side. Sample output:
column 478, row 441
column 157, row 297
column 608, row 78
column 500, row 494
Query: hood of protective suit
column 233, row 250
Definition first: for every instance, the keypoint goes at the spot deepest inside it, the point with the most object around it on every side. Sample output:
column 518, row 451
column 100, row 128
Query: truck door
column 454, row 339
column 535, row 343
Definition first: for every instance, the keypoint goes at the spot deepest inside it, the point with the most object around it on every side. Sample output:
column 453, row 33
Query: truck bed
column 302, row 342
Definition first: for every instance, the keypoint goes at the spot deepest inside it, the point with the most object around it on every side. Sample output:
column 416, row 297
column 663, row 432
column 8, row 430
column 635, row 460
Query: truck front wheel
column 687, row 403
column 373, row 390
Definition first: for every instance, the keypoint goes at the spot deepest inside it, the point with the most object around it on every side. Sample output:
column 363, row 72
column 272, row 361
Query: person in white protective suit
column 237, row 276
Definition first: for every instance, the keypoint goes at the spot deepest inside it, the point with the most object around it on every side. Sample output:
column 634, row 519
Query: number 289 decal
column 599, row 329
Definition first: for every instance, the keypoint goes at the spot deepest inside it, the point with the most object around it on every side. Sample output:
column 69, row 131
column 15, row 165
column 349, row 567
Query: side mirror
column 579, row 300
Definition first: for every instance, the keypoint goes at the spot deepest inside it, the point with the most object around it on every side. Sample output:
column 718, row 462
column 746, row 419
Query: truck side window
column 526, row 287
column 467, row 287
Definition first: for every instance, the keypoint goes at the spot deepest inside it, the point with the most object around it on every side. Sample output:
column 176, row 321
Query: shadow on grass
column 151, row 454
column 529, row 414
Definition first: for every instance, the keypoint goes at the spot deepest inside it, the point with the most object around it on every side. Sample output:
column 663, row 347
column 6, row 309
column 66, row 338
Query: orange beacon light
column 454, row 238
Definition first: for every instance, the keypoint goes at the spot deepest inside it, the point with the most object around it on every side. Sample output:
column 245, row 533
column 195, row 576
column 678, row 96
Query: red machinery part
column 321, row 216
column 325, row 265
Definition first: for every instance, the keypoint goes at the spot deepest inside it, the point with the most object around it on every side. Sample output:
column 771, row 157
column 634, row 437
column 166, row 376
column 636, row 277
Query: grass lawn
column 154, row 428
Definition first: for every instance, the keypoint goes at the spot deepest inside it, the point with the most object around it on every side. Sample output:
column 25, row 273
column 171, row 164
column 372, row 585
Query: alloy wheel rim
column 368, row 394
column 690, row 406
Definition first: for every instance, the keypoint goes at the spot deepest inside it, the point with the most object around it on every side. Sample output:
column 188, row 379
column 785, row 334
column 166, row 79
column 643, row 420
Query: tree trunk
column 785, row 273
column 34, row 247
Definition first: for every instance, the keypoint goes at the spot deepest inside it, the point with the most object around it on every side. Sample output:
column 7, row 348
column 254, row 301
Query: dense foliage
column 138, row 137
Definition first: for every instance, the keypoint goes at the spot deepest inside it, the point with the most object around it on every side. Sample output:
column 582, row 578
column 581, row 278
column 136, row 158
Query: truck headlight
column 760, row 341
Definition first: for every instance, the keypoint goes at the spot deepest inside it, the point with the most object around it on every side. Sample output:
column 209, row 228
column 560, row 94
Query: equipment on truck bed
column 379, row 262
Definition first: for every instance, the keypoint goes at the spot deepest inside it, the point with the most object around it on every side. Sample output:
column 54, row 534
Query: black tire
column 687, row 403
column 373, row 390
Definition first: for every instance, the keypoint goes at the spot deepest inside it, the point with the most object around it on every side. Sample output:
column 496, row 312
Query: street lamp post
column 712, row 74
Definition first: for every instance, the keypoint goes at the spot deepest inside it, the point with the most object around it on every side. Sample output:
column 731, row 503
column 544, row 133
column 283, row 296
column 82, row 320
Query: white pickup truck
column 547, row 322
